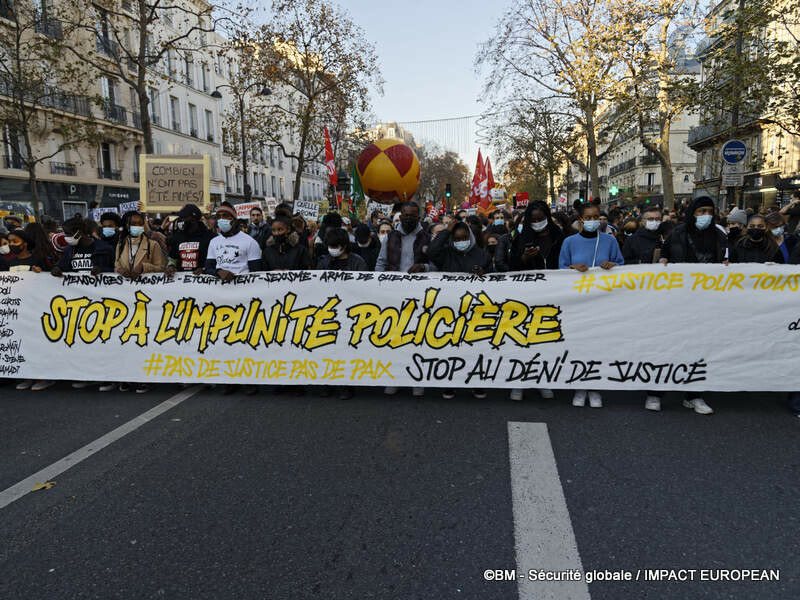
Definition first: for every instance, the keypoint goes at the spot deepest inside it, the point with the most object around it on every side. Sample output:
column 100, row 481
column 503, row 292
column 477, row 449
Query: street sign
column 734, row 151
column 733, row 174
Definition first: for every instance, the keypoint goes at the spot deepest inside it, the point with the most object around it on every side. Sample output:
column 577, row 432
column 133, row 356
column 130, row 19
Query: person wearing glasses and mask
column 644, row 246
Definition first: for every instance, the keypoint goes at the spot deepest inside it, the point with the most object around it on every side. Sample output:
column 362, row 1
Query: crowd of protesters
column 222, row 245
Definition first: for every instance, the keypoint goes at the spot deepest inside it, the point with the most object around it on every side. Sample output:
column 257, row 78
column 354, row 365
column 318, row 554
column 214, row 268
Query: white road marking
column 543, row 534
column 18, row 490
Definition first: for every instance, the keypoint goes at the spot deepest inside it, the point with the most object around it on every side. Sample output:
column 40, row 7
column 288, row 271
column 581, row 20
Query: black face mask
column 279, row 239
column 756, row 234
column 409, row 224
column 15, row 248
column 734, row 232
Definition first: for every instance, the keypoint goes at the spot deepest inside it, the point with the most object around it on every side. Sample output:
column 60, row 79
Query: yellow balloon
column 389, row 171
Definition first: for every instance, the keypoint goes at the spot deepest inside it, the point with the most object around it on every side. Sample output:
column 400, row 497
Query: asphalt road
column 283, row 496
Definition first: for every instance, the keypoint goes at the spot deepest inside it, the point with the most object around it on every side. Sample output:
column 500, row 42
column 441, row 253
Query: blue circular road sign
column 734, row 151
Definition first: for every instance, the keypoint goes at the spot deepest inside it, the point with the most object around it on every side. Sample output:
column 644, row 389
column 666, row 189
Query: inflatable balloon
column 389, row 171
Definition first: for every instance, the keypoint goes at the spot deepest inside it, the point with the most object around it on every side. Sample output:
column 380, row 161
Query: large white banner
column 682, row 327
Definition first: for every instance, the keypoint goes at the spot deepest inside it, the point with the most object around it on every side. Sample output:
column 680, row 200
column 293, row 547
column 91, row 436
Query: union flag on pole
column 329, row 163
column 477, row 181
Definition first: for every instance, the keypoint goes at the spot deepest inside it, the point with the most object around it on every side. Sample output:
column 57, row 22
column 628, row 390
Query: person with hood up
column 406, row 246
column 696, row 240
column 758, row 246
column 285, row 249
column 644, row 246
column 538, row 244
column 368, row 246
column 188, row 246
column 455, row 250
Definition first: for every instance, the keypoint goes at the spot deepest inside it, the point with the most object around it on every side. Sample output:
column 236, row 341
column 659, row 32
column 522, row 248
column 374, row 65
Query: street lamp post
column 240, row 94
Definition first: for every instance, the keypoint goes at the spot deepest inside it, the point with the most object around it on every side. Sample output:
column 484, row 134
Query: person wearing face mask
column 83, row 253
column 188, row 246
column 367, row 246
column 13, row 222
column 284, row 249
column 232, row 252
column 776, row 224
column 5, row 251
column 136, row 253
column 109, row 228
column 538, row 244
column 736, row 223
column 406, row 246
column 384, row 228
column 23, row 253
column 758, row 245
column 582, row 251
column 697, row 239
column 644, row 246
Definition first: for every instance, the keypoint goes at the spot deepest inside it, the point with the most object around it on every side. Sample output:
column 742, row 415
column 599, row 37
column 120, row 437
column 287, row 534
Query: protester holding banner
column 42, row 247
column 697, row 239
column 455, row 250
column 338, row 255
column 83, row 253
column 583, row 251
column 109, row 228
column 23, row 253
column 188, row 247
column 776, row 223
column 406, row 246
column 284, row 250
column 232, row 252
column 758, row 246
column 538, row 245
column 136, row 253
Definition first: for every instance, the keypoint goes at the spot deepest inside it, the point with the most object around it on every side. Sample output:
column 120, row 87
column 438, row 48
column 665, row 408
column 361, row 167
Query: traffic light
column 448, row 192
column 581, row 200
column 647, row 201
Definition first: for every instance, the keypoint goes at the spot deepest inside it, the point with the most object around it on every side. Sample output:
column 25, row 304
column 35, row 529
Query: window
column 175, row 108
column 263, row 185
column 227, row 179
column 188, row 69
column 209, row 126
column 170, row 62
column 155, row 107
column 193, row 120
column 14, row 149
column 272, row 188
column 651, row 179
column 283, row 189
column 271, row 158
column 105, row 160
column 206, row 77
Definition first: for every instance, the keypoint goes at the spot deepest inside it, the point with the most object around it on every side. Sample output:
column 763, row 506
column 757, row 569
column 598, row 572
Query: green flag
column 358, row 192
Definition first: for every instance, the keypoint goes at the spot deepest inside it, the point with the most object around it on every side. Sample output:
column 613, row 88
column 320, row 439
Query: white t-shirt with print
column 233, row 253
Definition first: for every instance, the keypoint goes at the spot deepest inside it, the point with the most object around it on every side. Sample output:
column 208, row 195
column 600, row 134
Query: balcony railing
column 116, row 113
column 52, row 98
column 648, row 160
column 137, row 119
column 59, row 168
column 622, row 167
column 193, row 133
column 108, row 47
column 176, row 126
column 722, row 126
column 49, row 27
column 649, row 189
column 13, row 161
column 210, row 137
column 155, row 120
column 109, row 174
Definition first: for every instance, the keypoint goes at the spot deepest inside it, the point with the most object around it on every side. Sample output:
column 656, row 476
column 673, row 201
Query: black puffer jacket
column 292, row 255
column 639, row 248
column 688, row 244
column 747, row 250
column 449, row 260
column 370, row 253
column 551, row 238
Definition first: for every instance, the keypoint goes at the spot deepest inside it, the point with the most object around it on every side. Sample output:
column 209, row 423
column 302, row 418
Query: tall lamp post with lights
column 240, row 94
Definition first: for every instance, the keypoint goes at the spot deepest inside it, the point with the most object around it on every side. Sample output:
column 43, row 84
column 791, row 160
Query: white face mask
column 72, row 240
column 335, row 252
column 652, row 224
column 360, row 245
column 382, row 237
column 777, row 232
column 461, row 246
column 539, row 225
column 4, row 249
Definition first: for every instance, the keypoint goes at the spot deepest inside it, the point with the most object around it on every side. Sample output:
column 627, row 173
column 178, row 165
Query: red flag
column 477, row 179
column 443, row 209
column 329, row 160
column 486, row 192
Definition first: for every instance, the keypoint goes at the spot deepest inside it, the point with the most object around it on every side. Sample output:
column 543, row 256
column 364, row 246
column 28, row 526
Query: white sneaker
column 390, row 391
column 515, row 395
column 579, row 399
column 546, row 393
column 42, row 385
column 479, row 394
column 80, row 385
column 418, row 392
column 24, row 384
column 699, row 405
column 652, row 403
column 595, row 400
column 108, row 387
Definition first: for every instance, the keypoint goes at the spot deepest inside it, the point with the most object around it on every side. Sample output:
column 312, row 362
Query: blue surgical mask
column 591, row 226
column 499, row 221
column 109, row 231
column 224, row 225
column 519, row 228
column 703, row 221
column 461, row 246
column 136, row 230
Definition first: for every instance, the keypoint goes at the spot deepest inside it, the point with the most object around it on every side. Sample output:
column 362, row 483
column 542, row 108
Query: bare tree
column 320, row 67
column 46, row 107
